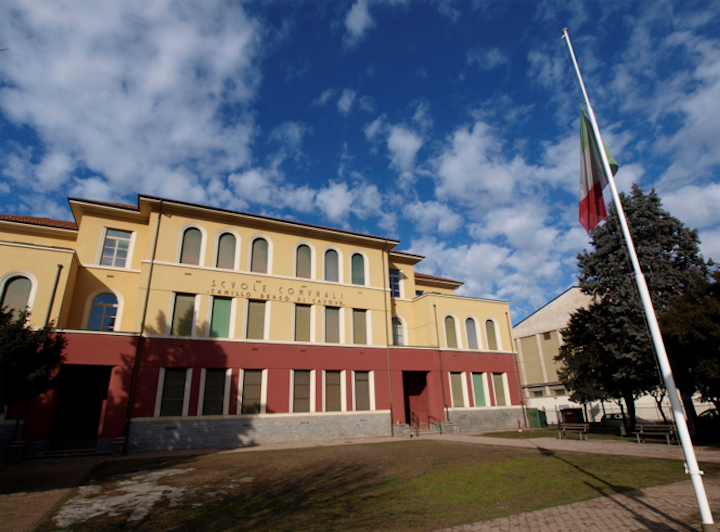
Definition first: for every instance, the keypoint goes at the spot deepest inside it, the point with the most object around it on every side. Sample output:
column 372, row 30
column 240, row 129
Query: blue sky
column 451, row 125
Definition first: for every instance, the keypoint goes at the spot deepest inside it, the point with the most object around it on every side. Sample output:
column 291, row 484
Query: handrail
column 432, row 420
column 415, row 423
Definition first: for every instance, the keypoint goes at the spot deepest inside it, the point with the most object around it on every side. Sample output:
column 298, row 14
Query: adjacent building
column 196, row 327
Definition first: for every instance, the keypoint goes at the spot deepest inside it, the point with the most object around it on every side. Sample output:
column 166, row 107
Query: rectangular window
column 419, row 292
column 302, row 323
column 362, row 390
column 252, row 391
column 173, row 393
column 479, row 387
column 301, row 391
column 183, row 312
column 256, row 320
column 333, row 396
column 214, row 392
column 332, row 325
column 394, row 283
column 499, row 386
column 220, row 322
column 457, row 391
column 359, row 326
column 115, row 248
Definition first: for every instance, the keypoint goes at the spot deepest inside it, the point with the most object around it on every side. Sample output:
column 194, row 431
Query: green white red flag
column 592, row 177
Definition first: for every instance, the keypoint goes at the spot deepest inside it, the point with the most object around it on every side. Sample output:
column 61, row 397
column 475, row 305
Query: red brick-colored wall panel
column 113, row 420
column 278, row 391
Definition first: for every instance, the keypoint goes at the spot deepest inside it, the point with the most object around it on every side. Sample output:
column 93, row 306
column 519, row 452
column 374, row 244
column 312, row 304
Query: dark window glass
column 259, row 262
column 419, row 292
column 16, row 295
column 450, row 332
column 471, row 333
column 333, row 398
column 252, row 391
column 192, row 241
column 358, row 269
column 303, row 260
column 332, row 325
column 302, row 323
column 183, row 315
column 359, row 326
column 256, row 320
column 331, row 266
column 397, row 331
column 102, row 313
column 173, row 392
column 456, row 386
column 490, row 331
column 226, row 252
column 301, row 391
column 362, row 390
column 214, row 392
column 115, row 248
column 394, row 283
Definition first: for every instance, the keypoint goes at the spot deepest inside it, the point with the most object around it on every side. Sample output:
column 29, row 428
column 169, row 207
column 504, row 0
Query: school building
column 196, row 327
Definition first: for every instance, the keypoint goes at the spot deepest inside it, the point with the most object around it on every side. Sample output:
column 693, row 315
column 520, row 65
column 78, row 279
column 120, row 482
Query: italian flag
column 592, row 177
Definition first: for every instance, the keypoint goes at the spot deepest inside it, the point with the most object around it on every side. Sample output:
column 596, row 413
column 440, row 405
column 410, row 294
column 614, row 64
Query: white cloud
column 487, row 58
column 710, row 244
column 433, row 216
column 374, row 128
column 403, row 145
column 696, row 207
column 290, row 136
column 337, row 201
column 422, row 116
column 131, row 91
column 325, row 97
column 346, row 101
column 357, row 22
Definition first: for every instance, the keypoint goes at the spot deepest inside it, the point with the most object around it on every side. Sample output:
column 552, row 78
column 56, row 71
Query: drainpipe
column 517, row 380
column 52, row 297
column 138, row 349
column 442, row 376
column 387, row 337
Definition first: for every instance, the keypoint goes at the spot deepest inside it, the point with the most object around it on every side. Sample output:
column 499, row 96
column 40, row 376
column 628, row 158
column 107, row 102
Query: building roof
column 47, row 222
column 109, row 203
column 419, row 275
column 553, row 315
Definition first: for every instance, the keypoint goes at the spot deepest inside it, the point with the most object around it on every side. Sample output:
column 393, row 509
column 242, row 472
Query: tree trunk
column 690, row 413
column 630, row 404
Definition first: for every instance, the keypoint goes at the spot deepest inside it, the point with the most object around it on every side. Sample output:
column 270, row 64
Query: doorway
column 82, row 392
column 416, row 398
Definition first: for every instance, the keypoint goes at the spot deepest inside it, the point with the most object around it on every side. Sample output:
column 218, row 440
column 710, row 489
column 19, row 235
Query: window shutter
column 17, row 294
column 479, row 386
column 301, row 392
column 252, row 390
column 332, row 325
column 471, row 333
column 303, row 261
column 358, row 269
column 173, row 392
column 214, row 392
column 256, row 320
column 302, row 323
column 220, row 325
column 456, row 386
column 192, row 241
column 490, row 331
column 226, row 252
column 450, row 333
column 183, row 315
column 259, row 263
column 331, row 266
column 333, row 399
column 362, row 390
column 499, row 386
column 359, row 326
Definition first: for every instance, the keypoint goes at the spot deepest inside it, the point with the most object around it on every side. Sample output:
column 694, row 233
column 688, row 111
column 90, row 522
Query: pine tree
column 611, row 338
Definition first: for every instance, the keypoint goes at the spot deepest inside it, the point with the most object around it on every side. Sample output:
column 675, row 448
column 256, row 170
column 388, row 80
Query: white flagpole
column 708, row 525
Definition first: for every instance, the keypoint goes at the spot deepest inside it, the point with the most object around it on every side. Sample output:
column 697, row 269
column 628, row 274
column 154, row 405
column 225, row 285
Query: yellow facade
column 423, row 307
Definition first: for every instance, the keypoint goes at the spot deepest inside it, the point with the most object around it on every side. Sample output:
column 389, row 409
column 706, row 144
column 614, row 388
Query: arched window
column 191, row 244
column 490, row 331
column 16, row 295
column 358, row 269
column 259, row 261
column 331, row 266
column 103, row 312
column 450, row 332
column 471, row 333
column 226, row 252
column 303, row 259
column 397, row 330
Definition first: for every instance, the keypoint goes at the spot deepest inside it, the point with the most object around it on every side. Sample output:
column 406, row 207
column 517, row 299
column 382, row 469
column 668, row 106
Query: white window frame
column 506, row 389
column 312, row 320
column 186, row 392
column 486, row 390
column 203, row 243
column 368, row 328
column 266, row 320
column 401, row 284
column 498, row 337
column 21, row 273
column 366, row 265
column 171, row 314
column 341, row 262
column 341, row 320
column 458, row 332
column 478, row 336
column 263, row 391
column 403, row 325
column 118, row 313
column 101, row 247
column 238, row 243
column 233, row 315
column 371, row 386
column 343, row 391
column 464, row 387
column 226, row 391
column 313, row 390
column 251, row 241
column 313, row 259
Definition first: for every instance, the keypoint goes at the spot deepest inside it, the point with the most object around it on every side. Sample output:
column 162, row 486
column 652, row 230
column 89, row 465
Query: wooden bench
column 655, row 431
column 580, row 428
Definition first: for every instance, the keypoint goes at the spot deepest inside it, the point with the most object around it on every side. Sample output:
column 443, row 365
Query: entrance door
column 81, row 393
column 416, row 397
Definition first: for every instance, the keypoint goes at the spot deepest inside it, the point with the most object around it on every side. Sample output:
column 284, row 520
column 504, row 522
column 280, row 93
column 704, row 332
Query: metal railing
column 435, row 423
column 415, row 423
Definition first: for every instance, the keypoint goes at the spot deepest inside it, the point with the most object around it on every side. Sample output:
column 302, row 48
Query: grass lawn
column 399, row 486
column 551, row 433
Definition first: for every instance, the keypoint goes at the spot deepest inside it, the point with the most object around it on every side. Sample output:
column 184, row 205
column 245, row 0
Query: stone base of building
column 474, row 420
column 171, row 434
